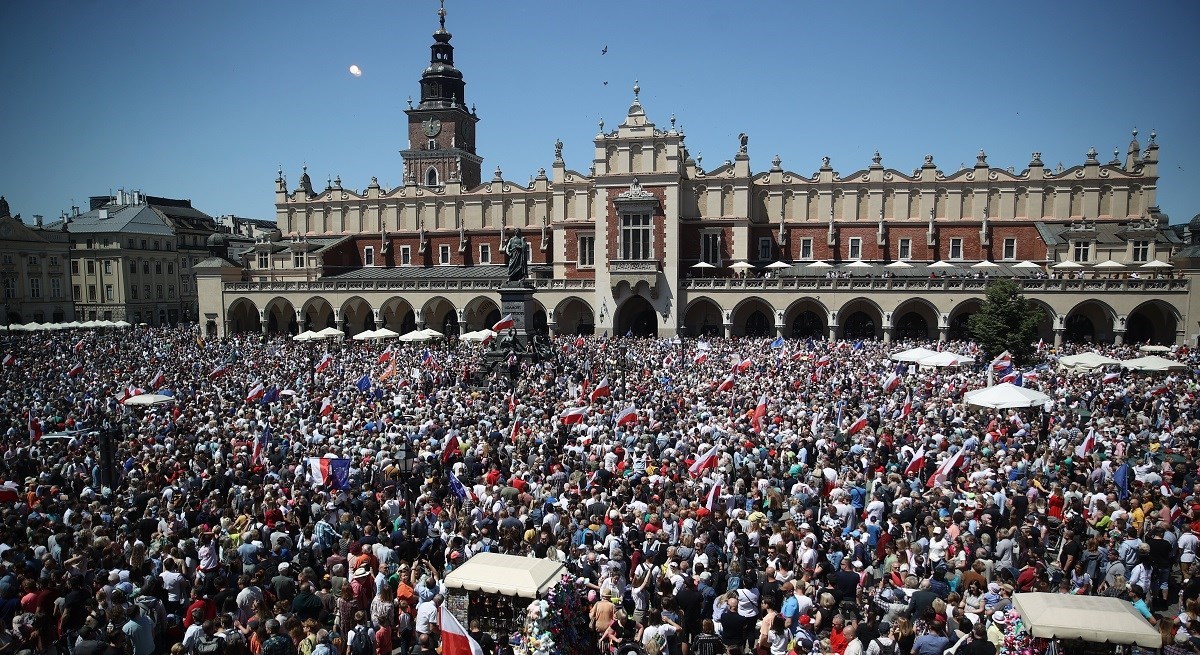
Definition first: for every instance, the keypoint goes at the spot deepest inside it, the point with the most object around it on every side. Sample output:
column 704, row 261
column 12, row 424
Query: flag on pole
column 1111, row 378
column 706, row 461
column 823, row 361
column 916, row 463
column 260, row 445
column 504, row 323
column 777, row 343
column 1088, row 445
column 512, row 401
column 364, row 383
column 427, row 359
column 700, row 357
column 455, row 640
column 858, row 424
column 891, row 383
column 627, row 415
column 945, row 468
column 1002, row 363
column 271, row 395
column 858, row 345
column 332, row 472
column 35, row 428
column 157, row 381
column 9, row 360
column 457, row 487
column 452, row 449
column 907, row 408
column 602, row 390
column 743, row 365
column 389, row 371
column 726, row 384
column 326, row 407
column 516, row 427
column 255, row 393
column 75, row 370
column 579, row 341
column 218, row 372
column 573, row 415
column 710, row 501
column 78, row 347
column 385, row 356
column 326, row 360
column 760, row 413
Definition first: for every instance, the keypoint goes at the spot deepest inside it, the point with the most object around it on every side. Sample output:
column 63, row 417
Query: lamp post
column 624, row 375
column 405, row 458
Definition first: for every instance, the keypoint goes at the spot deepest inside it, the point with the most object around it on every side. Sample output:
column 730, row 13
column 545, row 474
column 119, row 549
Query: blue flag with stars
column 777, row 343
column 364, row 383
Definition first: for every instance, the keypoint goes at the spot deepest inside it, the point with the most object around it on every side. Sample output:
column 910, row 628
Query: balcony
column 938, row 284
column 402, row 286
column 634, row 272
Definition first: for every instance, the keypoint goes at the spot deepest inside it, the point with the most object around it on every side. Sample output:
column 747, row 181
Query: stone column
column 1118, row 337
column 1058, row 337
column 727, row 330
column 943, row 334
column 889, row 333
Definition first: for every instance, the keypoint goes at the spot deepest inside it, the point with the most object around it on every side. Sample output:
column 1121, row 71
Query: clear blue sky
column 204, row 100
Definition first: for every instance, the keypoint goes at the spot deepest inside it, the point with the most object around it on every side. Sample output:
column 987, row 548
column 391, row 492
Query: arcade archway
column 703, row 318
column 753, row 317
column 636, row 316
column 243, row 317
column 860, row 318
column 806, row 319
column 318, row 314
column 439, row 314
column 357, row 316
column 281, row 317
column 1089, row 322
column 960, row 319
column 574, row 316
column 482, row 312
column 397, row 315
column 1154, row 322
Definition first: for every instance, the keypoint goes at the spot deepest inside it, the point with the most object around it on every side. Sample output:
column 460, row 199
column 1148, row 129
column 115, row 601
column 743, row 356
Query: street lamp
column 405, row 457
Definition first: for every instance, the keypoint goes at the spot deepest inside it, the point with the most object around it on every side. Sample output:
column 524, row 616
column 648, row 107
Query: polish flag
column 35, row 428
column 579, row 341
column 324, row 363
column 218, row 372
column 891, row 383
column 706, row 461
column 385, row 356
column 157, row 381
column 602, row 390
column 700, row 357
column 714, row 494
column 726, row 384
column 858, row 424
column 824, row 361
column 760, row 413
column 455, row 640
column 916, row 463
column 907, row 408
column 1111, row 378
column 744, row 365
column 512, row 402
column 1010, row 376
column 573, row 415
column 516, row 427
column 452, row 449
column 326, row 407
column 627, row 415
column 1088, row 445
column 1003, row 362
column 1159, row 390
column 488, row 339
column 9, row 360
column 130, row 392
column 668, row 361
column 943, row 471
column 255, row 393
column 504, row 323
column 78, row 347
column 75, row 370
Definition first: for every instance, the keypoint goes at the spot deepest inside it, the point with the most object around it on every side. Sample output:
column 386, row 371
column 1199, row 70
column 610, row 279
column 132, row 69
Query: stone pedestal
column 516, row 299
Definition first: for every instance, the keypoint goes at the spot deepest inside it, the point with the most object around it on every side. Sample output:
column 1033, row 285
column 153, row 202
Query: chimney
column 103, row 213
column 37, row 219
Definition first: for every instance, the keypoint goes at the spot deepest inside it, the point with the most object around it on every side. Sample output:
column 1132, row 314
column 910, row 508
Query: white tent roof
column 149, row 399
column 912, row 355
column 477, row 335
column 365, row 335
column 386, row 333
column 1096, row 619
column 1006, row 396
column 1154, row 348
column 1153, row 363
column 307, row 335
column 945, row 359
column 509, row 575
column 330, row 332
column 427, row 334
column 1086, row 361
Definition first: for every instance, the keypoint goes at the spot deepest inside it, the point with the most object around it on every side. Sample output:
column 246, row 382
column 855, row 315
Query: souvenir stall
column 1061, row 624
column 497, row 589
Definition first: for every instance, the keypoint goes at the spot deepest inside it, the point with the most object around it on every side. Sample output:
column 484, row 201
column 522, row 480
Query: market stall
column 1079, row 624
column 497, row 589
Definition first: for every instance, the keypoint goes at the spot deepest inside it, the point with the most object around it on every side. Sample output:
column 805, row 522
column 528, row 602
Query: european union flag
column 378, row 393
column 777, row 343
column 457, row 487
column 271, row 395
column 1121, row 479
column 858, row 344
column 364, row 383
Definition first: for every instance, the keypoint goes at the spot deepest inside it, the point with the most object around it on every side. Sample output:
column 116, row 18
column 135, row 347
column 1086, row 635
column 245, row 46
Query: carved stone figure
column 518, row 257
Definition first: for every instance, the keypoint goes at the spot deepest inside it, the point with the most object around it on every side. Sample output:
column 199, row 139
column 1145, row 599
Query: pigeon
column 604, row 51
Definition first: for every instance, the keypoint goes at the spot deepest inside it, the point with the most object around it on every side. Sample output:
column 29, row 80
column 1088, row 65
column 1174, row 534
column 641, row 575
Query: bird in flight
column 604, row 51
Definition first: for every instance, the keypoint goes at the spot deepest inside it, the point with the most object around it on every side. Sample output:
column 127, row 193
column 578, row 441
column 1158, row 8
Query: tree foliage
column 1007, row 321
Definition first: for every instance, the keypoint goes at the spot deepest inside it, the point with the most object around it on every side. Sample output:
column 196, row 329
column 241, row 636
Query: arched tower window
column 431, row 177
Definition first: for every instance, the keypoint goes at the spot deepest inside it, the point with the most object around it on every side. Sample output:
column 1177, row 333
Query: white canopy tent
column 912, row 355
column 330, row 332
column 365, row 335
column 1027, row 264
column 1006, row 396
column 307, row 335
column 899, row 263
column 778, row 264
column 477, row 336
column 386, row 333
column 1088, row 361
column 1154, row 348
column 858, row 263
column 1153, row 364
column 941, row 264
column 148, row 400
column 1097, row 619
column 508, row 575
column 944, row 359
column 426, row 334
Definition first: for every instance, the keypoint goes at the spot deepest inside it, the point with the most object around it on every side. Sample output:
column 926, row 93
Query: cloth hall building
column 643, row 239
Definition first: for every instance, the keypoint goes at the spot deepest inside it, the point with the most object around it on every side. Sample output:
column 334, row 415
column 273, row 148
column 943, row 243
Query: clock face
column 432, row 126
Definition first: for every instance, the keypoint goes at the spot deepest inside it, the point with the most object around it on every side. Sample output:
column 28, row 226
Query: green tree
column 1007, row 321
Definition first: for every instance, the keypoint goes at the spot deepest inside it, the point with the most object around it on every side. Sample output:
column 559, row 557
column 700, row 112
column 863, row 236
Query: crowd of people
column 768, row 496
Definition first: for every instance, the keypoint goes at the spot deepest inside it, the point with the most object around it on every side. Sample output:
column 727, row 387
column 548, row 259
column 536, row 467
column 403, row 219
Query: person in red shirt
column 207, row 608
column 272, row 515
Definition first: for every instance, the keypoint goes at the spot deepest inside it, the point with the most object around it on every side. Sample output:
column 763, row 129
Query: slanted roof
column 128, row 219
column 508, row 575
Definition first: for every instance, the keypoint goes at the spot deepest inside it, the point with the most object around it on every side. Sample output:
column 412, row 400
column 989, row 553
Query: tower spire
column 442, row 85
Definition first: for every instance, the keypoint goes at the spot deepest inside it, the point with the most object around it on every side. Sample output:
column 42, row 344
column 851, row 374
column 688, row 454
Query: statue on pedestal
column 518, row 257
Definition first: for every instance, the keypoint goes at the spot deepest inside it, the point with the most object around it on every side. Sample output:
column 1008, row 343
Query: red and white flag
column 573, row 415
column 455, row 640
column 35, row 428
column 385, row 356
column 326, row 407
column 726, row 384
column 916, row 463
column 9, row 360
column 1003, row 362
column 324, row 363
column 706, row 461
column 130, row 392
column 218, row 372
column 823, row 361
column 504, row 323
column 1088, row 445
column 78, row 347
column 945, row 468
column 157, row 381
column 907, row 408
column 516, row 427
column 700, row 357
column 579, row 341
column 452, row 449
column 858, row 424
column 1159, row 390
column 1111, row 378
column 512, row 402
column 714, row 494
column 75, row 370
column 627, row 415
column 743, row 365
column 760, row 413
column 602, row 390
column 255, row 393
column 891, row 383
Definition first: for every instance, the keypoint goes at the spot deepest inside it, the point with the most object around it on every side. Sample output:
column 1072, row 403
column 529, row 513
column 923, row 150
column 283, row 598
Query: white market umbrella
column 1088, row 361
column 858, row 263
column 819, row 264
column 15, row 327
column 431, row 333
column 1153, row 364
column 741, row 266
column 1156, row 263
column 478, row 336
column 912, row 355
column 307, row 335
column 421, row 335
column 122, row 324
column 1067, row 265
column 778, row 264
column 34, row 326
column 148, row 400
column 386, row 333
column 985, row 264
column 330, row 332
column 365, row 335
column 899, row 264
column 941, row 264
column 1109, row 264
column 1154, row 348
column 944, row 359
column 1006, row 396
column 702, row 265
column 1027, row 264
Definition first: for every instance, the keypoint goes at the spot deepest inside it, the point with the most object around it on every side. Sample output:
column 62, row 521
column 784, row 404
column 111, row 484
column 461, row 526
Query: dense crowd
column 764, row 497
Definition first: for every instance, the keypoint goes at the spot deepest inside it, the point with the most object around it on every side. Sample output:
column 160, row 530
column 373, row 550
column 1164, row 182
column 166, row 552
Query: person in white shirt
column 1187, row 547
column 427, row 615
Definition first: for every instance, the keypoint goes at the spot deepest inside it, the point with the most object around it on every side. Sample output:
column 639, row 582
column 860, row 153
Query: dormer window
column 431, row 177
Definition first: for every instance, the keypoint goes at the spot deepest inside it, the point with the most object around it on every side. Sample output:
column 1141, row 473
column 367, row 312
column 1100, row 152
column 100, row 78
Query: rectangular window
column 764, row 248
column 74, row 268
column 108, row 292
column 635, row 237
column 91, row 267
column 369, row 256
column 54, row 260
column 133, row 292
column 75, row 292
column 105, row 242
column 129, row 244
column 710, row 248
column 443, row 254
column 1083, row 251
column 587, row 251
column 156, row 244
column 904, row 249
column 90, row 244
column 298, row 260
column 91, row 293
column 1010, row 248
column 405, row 255
column 956, row 251
column 35, row 287
column 1141, row 251
column 158, row 268
column 33, row 260
column 170, row 290
column 170, row 268
column 146, row 289
column 182, row 263
column 183, row 284
column 132, row 268
column 264, row 260
column 485, row 253
column 146, row 268
column 855, row 248
column 158, row 291
column 55, row 288
column 143, row 244
column 806, row 248
column 108, row 267
column 10, row 287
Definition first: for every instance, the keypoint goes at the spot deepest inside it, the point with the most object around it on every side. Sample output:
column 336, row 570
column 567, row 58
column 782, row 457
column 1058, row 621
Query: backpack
column 886, row 650
column 734, row 582
column 211, row 645
column 360, row 644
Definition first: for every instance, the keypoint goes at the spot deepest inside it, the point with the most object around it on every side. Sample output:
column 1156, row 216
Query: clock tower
column 441, row 130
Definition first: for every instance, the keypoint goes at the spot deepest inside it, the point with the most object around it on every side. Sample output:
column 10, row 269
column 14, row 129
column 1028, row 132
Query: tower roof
column 442, row 85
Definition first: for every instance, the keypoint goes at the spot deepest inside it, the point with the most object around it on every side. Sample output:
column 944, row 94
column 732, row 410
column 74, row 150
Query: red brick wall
column 614, row 223
column 1029, row 243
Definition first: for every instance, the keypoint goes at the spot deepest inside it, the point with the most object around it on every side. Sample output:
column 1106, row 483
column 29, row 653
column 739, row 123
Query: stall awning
column 1090, row 618
column 509, row 575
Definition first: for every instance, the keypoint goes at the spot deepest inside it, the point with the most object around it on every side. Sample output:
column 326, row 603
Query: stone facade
column 34, row 271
